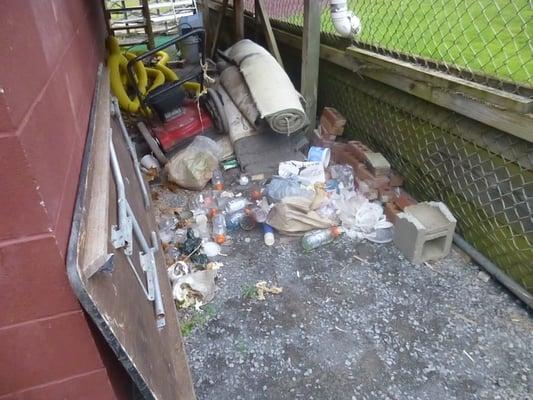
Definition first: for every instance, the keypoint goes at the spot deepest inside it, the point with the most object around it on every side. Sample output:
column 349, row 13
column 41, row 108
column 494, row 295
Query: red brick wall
column 49, row 52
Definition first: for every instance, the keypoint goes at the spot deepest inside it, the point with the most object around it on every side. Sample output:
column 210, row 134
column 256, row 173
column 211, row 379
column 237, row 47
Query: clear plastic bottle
column 219, row 229
column 233, row 220
column 235, row 205
column 312, row 240
column 217, row 180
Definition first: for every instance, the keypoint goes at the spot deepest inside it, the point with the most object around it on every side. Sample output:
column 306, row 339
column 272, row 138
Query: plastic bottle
column 219, row 229
column 314, row 239
column 258, row 214
column 268, row 234
column 217, row 180
column 233, row 220
column 235, row 205
column 200, row 227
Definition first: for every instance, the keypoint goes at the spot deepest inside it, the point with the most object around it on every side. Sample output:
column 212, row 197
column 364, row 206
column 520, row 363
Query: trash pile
column 347, row 189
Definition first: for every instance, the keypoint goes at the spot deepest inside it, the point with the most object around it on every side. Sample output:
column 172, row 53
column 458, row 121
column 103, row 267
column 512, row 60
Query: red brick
column 45, row 350
column 29, row 272
column 90, row 386
column 391, row 211
column 21, row 210
column 403, row 199
column 322, row 141
column 396, row 179
column 385, row 195
column 359, row 150
column 375, row 182
column 332, row 121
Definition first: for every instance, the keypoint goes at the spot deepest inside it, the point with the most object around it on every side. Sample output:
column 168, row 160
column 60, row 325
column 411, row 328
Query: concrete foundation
column 424, row 231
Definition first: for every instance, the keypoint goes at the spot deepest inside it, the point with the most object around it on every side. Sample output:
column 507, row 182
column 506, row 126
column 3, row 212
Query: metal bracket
column 121, row 235
column 148, row 266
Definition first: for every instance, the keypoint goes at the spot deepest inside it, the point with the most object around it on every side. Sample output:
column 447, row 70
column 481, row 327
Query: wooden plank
column 310, row 58
column 154, row 358
column 218, row 29
column 262, row 14
column 148, row 22
column 238, row 9
column 97, row 228
column 207, row 24
column 442, row 80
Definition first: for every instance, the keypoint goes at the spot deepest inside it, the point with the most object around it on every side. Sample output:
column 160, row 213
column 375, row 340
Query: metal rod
column 492, row 269
column 131, row 147
column 124, row 226
column 158, row 300
column 148, row 296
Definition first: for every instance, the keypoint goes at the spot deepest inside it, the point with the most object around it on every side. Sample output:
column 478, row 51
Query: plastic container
column 314, row 239
column 217, row 180
column 322, row 154
column 219, row 229
column 268, row 234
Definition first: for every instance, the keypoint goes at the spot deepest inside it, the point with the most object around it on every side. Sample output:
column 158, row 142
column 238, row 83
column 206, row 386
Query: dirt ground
column 343, row 328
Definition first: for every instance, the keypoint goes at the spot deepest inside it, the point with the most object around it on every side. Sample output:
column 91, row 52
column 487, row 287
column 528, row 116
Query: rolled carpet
column 277, row 101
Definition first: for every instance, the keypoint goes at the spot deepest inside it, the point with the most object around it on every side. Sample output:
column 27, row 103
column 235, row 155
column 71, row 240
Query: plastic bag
column 306, row 172
column 279, row 188
column 293, row 216
column 193, row 167
column 343, row 174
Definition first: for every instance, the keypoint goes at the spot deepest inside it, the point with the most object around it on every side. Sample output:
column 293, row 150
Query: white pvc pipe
column 346, row 23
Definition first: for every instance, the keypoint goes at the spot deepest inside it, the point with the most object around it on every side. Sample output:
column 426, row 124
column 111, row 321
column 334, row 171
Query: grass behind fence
column 494, row 37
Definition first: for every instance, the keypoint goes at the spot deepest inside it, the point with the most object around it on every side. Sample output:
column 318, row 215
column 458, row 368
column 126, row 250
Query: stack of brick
column 372, row 171
column 331, row 126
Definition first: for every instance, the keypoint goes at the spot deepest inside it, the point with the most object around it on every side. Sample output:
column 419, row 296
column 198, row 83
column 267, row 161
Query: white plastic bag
column 306, row 172
column 193, row 167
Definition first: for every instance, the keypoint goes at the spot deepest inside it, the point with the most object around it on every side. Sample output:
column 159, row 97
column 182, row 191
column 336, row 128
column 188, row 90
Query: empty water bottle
column 314, row 239
column 233, row 220
column 219, row 229
column 217, row 180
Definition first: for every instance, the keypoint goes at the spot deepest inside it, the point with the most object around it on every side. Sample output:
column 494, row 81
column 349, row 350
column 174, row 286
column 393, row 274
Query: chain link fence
column 484, row 175
column 487, row 41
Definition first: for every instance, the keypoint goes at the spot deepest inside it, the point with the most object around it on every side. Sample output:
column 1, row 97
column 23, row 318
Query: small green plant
column 198, row 320
column 249, row 292
column 241, row 347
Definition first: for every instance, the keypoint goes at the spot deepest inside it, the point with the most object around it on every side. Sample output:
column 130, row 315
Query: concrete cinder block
column 424, row 231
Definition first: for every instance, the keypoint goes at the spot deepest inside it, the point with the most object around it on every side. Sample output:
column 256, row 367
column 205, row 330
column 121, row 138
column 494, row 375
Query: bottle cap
column 269, row 238
column 336, row 231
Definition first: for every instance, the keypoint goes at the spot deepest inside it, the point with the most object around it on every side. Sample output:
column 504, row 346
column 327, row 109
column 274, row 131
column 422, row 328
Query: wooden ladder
column 135, row 22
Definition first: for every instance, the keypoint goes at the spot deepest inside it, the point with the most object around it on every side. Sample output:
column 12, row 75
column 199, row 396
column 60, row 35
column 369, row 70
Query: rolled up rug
column 277, row 101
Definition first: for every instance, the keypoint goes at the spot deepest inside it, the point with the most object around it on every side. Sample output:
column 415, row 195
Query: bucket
column 190, row 49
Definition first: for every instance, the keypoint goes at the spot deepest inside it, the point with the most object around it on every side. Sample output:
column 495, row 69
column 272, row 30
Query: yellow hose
column 140, row 73
column 156, row 76
column 170, row 75
column 117, row 65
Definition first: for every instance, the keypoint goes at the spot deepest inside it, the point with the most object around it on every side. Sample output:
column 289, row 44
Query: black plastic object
column 196, row 74
column 164, row 100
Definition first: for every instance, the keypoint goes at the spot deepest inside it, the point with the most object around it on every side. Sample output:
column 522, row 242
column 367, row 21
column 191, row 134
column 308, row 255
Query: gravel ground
column 347, row 329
